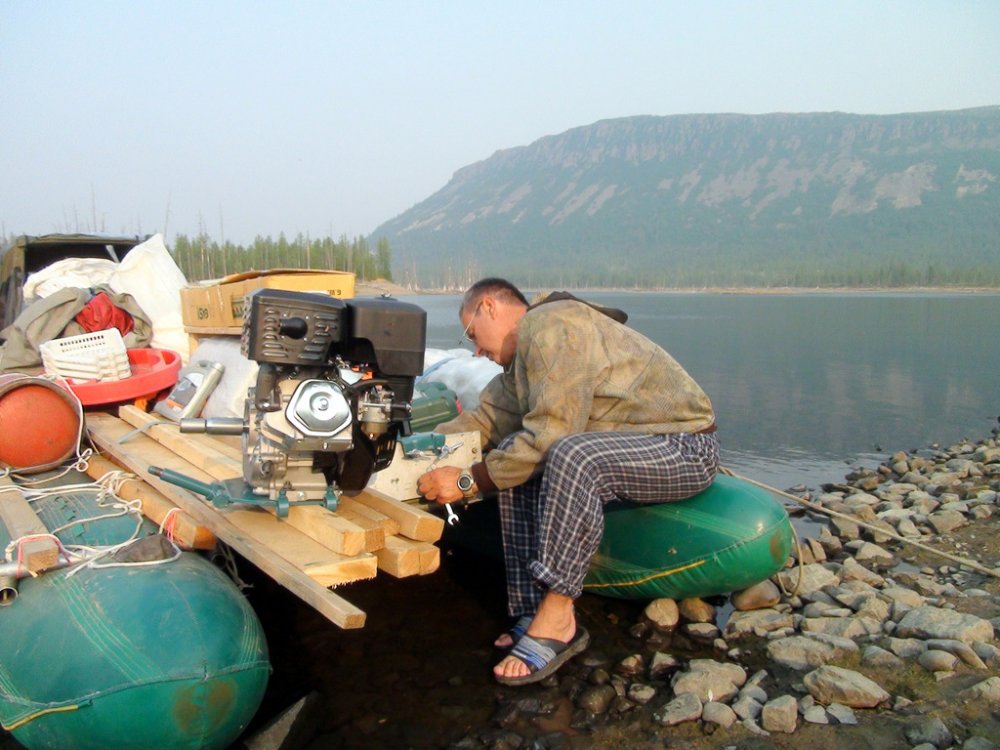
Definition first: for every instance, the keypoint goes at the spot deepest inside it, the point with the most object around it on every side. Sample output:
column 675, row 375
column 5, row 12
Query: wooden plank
column 399, row 558
column 430, row 557
column 141, row 452
column 413, row 522
column 184, row 530
column 374, row 531
column 207, row 458
column 349, row 505
column 223, row 462
column 318, row 562
column 21, row 520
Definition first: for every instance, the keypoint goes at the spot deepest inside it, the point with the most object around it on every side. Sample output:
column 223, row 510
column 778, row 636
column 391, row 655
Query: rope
column 892, row 535
column 106, row 487
column 169, row 522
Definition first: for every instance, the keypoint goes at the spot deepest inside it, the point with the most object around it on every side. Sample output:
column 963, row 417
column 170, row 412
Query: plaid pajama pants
column 553, row 523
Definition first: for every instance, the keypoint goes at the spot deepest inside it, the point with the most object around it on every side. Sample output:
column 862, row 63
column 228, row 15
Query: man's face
column 490, row 328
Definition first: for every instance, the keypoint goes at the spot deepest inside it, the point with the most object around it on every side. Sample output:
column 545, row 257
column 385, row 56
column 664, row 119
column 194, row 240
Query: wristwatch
column 465, row 483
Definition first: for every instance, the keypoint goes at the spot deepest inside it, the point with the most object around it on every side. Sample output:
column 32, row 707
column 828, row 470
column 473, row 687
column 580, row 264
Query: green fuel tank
column 166, row 655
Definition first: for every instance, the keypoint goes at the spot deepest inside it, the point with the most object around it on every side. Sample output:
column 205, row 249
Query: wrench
column 447, row 450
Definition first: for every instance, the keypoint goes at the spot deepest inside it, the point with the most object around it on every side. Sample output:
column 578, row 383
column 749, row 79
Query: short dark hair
column 492, row 285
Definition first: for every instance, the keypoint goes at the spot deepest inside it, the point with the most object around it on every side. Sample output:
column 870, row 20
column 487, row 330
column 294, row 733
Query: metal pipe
column 8, row 590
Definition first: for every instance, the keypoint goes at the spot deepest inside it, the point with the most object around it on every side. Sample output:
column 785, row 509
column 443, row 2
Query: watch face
column 465, row 482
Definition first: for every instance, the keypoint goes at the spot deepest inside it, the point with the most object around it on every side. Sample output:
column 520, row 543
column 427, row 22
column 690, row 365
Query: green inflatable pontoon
column 166, row 655
column 727, row 538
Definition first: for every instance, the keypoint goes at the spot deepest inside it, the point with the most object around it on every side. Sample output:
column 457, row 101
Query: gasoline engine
column 333, row 394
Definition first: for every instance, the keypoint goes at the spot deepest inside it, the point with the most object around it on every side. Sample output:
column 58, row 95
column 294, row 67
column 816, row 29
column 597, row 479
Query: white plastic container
column 98, row 355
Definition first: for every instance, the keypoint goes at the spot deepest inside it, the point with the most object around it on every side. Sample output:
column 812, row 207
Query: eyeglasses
column 471, row 337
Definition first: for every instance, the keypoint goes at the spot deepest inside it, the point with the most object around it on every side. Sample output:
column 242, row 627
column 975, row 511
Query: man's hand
column 441, row 485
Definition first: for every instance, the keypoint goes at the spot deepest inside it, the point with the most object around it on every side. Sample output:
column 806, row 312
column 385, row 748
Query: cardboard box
column 220, row 305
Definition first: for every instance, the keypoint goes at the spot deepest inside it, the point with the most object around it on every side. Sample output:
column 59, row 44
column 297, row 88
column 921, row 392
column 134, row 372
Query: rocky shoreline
column 863, row 641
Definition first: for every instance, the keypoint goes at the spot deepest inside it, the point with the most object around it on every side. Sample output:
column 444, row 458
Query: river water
column 805, row 385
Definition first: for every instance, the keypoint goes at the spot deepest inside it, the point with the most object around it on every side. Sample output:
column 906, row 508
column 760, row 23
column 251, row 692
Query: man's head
column 490, row 312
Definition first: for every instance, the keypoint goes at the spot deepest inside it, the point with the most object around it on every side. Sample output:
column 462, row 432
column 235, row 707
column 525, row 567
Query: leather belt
column 708, row 430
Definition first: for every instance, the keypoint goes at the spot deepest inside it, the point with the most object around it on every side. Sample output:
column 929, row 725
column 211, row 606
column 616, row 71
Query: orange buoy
column 39, row 423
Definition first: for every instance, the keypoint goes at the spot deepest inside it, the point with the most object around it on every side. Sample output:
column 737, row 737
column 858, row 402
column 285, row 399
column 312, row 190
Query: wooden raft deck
column 307, row 553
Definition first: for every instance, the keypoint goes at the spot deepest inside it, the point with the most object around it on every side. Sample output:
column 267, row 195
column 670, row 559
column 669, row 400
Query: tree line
column 200, row 257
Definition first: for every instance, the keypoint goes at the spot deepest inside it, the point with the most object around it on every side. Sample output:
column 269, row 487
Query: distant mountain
column 721, row 199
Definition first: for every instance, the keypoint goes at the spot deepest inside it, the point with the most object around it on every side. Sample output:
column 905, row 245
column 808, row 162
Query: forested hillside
column 825, row 199
column 204, row 258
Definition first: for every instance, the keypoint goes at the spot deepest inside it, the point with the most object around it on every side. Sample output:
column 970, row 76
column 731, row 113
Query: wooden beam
column 399, row 558
column 139, row 453
column 224, row 462
column 413, row 522
column 21, row 520
column 352, row 507
column 206, row 457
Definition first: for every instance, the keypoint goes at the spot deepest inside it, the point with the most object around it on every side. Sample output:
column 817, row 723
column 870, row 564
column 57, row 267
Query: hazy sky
column 246, row 118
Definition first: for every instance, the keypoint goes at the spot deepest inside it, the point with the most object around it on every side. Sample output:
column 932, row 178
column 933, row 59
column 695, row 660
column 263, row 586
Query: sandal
column 543, row 656
column 516, row 632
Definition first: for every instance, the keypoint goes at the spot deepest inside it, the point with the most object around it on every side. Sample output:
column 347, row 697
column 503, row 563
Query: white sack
column 460, row 371
column 78, row 273
column 150, row 275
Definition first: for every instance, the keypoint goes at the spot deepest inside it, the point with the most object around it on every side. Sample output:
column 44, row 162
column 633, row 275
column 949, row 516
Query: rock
column 930, row 730
column 987, row 652
column 875, row 553
column 944, row 521
column 709, row 680
column 641, row 694
column 907, row 648
column 696, row 610
column 780, row 715
column 292, row 728
column 874, row 656
column 937, row 661
column 852, row 570
column 904, row 595
column 987, row 691
column 663, row 613
column 596, row 699
column 685, row 707
column 754, row 691
column 962, row 650
column 815, row 715
column 978, row 743
column 803, row 653
column 700, row 631
column 829, row 684
column 747, row 708
column 934, row 622
column 843, row 714
column 846, row 627
column 757, row 622
column 814, row 577
column 845, row 529
column 760, row 596
column 714, row 712
column 631, row 666
column 661, row 664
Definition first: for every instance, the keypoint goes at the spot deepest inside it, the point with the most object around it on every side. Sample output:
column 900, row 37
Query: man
column 586, row 411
